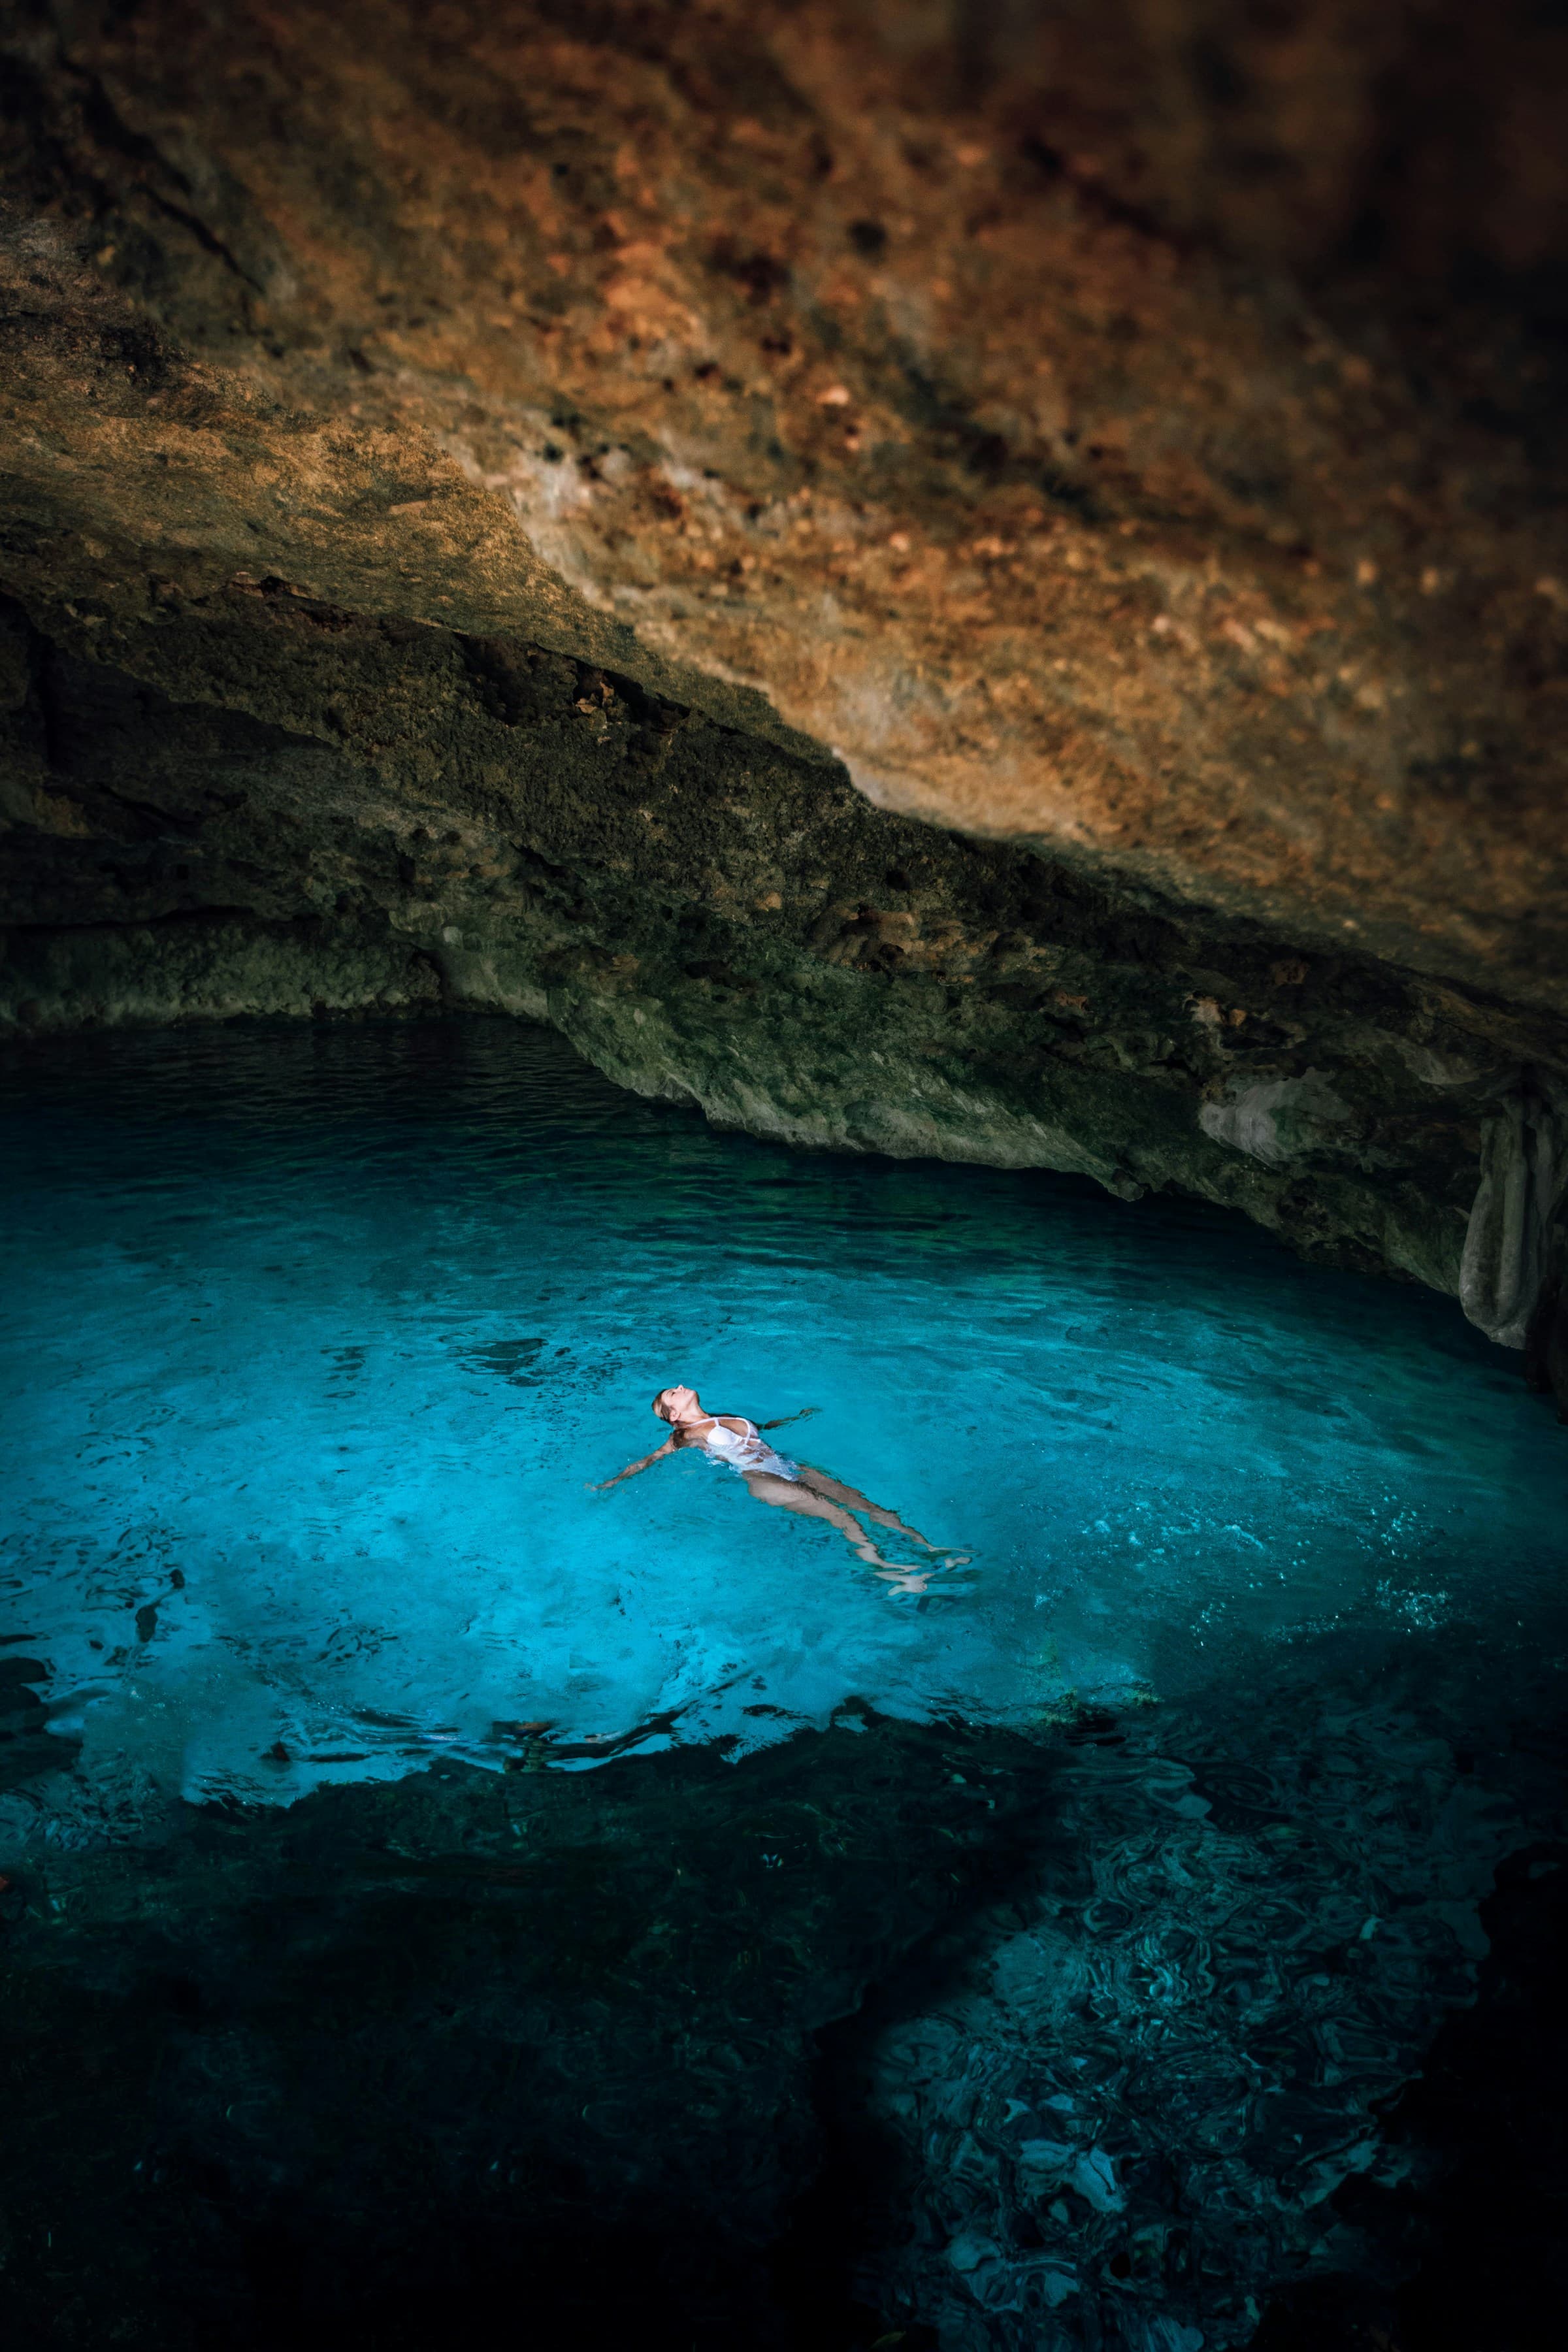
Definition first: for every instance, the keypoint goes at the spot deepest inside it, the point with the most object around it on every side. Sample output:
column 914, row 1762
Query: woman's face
column 674, row 1404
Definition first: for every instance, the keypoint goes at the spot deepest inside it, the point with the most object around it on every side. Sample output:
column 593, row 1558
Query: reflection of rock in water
column 1034, row 2044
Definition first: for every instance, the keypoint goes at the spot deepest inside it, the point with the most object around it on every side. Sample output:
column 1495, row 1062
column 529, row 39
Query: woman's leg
column 853, row 1500
column 794, row 1494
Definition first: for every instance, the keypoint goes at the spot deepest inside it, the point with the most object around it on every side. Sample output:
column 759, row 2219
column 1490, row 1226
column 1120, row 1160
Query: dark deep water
column 1041, row 1961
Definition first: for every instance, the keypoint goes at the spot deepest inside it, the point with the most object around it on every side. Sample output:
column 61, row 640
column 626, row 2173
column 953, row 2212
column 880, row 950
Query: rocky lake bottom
column 434, row 1888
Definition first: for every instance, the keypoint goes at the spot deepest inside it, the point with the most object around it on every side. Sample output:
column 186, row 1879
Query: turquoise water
column 315, row 1338
column 315, row 1341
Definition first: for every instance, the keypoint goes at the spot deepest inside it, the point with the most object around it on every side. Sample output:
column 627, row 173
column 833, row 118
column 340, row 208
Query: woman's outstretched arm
column 602, row 1485
column 785, row 1418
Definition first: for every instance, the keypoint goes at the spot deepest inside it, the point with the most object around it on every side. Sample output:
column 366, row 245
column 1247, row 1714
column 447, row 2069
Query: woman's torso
column 743, row 1448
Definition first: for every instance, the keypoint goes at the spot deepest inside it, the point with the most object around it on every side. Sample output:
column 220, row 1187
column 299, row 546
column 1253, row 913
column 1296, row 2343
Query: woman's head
column 678, row 1404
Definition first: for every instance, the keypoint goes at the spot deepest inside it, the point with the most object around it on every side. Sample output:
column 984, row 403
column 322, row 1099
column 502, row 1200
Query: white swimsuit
column 750, row 1451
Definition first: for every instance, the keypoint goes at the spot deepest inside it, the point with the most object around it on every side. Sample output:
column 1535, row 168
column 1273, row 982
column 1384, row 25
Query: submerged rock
column 389, row 2059
column 1005, row 2041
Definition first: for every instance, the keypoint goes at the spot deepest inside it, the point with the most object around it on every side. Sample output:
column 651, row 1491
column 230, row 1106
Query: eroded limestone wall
column 260, row 803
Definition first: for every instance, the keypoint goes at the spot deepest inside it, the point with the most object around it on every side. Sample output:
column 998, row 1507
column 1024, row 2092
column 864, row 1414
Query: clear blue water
column 313, row 1341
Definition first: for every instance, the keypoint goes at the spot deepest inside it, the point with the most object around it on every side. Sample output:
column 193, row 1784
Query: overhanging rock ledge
column 987, row 589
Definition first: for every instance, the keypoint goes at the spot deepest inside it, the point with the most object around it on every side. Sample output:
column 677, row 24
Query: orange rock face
column 897, row 370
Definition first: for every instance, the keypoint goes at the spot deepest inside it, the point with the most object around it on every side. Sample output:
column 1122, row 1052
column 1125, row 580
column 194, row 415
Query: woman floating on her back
column 774, row 1478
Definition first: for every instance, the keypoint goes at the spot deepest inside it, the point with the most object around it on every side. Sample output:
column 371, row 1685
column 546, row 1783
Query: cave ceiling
column 1121, row 441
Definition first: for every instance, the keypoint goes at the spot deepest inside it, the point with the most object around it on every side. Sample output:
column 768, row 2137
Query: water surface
column 315, row 1341
column 314, row 1338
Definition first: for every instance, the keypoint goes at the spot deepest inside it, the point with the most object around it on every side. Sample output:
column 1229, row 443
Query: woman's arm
column 784, row 1418
column 602, row 1485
